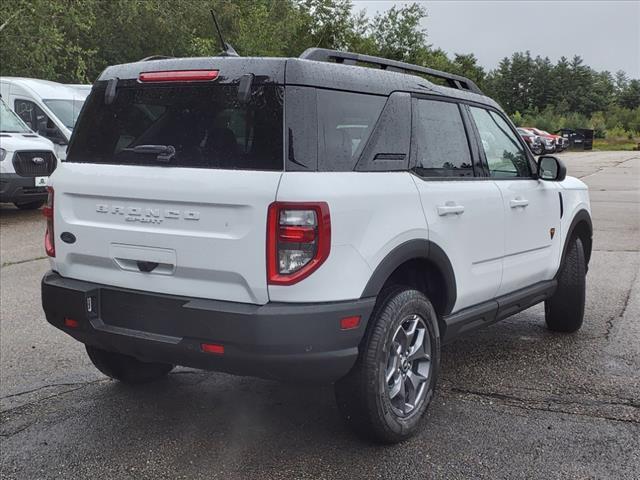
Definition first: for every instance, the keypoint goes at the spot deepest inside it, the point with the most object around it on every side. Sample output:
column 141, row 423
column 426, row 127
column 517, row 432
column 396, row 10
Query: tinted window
column 345, row 121
column 441, row 141
column 205, row 124
column 302, row 128
column 505, row 156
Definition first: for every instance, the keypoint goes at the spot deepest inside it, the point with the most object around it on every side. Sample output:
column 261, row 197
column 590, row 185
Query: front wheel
column 125, row 368
column 564, row 311
column 385, row 395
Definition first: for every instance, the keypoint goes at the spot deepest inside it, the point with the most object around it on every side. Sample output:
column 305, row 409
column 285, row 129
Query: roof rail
column 349, row 58
column 155, row 57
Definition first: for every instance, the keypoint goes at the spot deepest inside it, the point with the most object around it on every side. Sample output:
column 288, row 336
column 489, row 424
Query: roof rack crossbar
column 349, row 58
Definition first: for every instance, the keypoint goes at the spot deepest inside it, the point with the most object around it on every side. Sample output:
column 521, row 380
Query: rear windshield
column 198, row 126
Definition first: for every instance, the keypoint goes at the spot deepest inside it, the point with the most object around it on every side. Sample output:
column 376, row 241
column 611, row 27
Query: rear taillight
column 298, row 240
column 49, row 237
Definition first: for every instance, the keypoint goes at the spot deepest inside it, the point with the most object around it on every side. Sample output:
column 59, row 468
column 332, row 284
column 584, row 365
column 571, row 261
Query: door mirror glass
column 551, row 169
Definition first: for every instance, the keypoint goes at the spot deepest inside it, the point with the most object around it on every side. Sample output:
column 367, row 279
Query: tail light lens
column 49, row 237
column 298, row 240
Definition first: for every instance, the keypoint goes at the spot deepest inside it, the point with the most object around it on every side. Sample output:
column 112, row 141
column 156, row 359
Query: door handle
column 518, row 202
column 450, row 208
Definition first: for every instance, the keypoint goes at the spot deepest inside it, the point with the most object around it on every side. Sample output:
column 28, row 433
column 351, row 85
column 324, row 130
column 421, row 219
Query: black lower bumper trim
column 277, row 340
column 17, row 189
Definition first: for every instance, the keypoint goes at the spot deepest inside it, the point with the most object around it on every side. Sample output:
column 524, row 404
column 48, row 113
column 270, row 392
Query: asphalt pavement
column 514, row 400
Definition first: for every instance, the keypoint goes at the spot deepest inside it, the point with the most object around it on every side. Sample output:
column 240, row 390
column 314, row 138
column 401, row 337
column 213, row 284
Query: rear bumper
column 14, row 188
column 281, row 341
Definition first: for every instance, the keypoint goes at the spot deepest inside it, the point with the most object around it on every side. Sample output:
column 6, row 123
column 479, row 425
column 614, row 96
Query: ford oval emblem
column 38, row 160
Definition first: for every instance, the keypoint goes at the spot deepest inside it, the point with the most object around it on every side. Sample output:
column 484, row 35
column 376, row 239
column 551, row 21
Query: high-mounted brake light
column 179, row 76
column 298, row 240
column 49, row 237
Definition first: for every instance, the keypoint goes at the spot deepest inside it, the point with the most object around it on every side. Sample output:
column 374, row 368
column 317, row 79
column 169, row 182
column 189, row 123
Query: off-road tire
column 127, row 369
column 30, row 205
column 362, row 394
column 564, row 311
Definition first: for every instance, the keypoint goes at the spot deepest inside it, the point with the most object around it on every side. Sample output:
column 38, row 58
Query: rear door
column 166, row 189
column 463, row 210
column 531, row 206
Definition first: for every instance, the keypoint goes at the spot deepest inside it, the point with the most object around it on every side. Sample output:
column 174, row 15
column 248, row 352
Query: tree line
column 72, row 41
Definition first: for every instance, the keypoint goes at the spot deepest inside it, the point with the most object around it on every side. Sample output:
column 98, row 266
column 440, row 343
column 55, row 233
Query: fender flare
column 414, row 249
column 581, row 216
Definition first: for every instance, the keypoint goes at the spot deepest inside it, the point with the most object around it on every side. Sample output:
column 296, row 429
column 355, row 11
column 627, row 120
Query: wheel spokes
column 392, row 367
column 397, row 388
column 408, row 365
column 416, row 379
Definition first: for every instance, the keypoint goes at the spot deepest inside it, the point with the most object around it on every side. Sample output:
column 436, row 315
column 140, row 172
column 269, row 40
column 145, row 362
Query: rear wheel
column 29, row 205
column 125, row 368
column 385, row 395
column 564, row 311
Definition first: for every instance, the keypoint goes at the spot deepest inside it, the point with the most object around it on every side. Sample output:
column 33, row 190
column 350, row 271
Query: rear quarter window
column 345, row 122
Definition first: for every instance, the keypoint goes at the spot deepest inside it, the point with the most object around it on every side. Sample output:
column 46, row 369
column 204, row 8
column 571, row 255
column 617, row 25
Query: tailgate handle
column 146, row 266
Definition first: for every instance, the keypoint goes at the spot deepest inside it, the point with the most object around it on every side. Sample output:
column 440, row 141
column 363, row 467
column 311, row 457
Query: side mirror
column 551, row 169
column 53, row 134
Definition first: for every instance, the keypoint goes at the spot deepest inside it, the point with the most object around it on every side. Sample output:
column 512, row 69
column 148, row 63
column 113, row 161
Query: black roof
column 304, row 72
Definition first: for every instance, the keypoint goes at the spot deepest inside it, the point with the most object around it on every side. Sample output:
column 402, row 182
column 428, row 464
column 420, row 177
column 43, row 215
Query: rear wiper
column 164, row 153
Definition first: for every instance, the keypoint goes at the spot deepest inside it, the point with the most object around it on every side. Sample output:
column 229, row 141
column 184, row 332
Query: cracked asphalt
column 514, row 400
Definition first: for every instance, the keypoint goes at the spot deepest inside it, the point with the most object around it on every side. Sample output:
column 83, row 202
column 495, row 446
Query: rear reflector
column 349, row 323
column 212, row 348
column 297, row 234
column 71, row 323
column 179, row 76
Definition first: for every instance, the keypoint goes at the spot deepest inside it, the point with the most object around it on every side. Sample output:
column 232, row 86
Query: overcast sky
column 605, row 33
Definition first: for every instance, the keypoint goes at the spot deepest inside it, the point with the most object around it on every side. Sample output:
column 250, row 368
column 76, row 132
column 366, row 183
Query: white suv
column 304, row 218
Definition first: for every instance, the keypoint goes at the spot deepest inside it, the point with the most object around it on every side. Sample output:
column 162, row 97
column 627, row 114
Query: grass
column 615, row 144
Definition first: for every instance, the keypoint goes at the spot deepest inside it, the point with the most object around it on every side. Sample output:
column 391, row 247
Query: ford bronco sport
column 334, row 217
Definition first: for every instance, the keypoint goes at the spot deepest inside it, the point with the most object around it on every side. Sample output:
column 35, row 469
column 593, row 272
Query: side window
column 345, row 121
column 441, row 140
column 37, row 120
column 505, row 156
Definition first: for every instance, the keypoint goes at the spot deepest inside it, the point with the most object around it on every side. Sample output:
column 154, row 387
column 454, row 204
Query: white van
column 48, row 108
column 26, row 161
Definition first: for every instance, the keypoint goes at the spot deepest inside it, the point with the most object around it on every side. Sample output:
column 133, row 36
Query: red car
column 558, row 142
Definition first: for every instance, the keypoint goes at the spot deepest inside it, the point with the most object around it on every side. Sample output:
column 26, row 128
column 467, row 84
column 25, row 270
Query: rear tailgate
column 204, row 228
column 167, row 184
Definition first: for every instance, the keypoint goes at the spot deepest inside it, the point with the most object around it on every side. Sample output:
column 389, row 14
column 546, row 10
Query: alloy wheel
column 408, row 366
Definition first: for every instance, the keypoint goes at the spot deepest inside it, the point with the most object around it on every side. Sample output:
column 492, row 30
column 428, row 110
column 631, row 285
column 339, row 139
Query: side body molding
column 414, row 249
